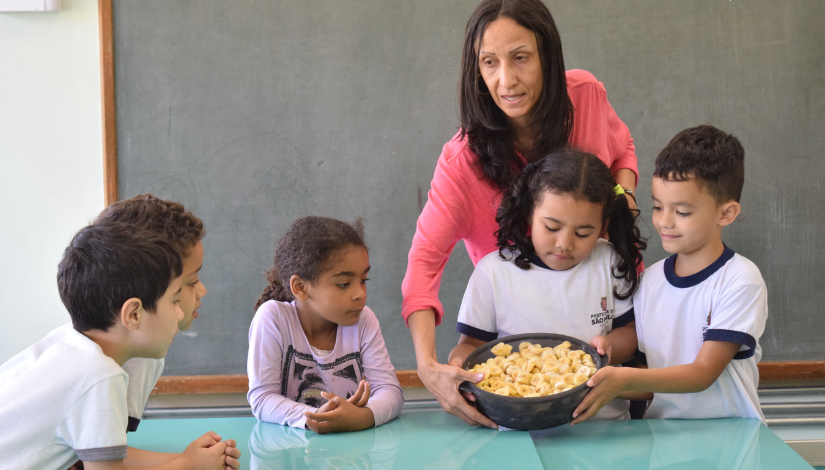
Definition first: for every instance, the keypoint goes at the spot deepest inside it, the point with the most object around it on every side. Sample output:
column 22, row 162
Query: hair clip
column 618, row 189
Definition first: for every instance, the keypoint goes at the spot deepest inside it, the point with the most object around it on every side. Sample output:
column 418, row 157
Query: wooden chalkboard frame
column 779, row 370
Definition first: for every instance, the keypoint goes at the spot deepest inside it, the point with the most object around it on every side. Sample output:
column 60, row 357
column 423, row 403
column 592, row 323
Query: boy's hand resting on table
column 339, row 415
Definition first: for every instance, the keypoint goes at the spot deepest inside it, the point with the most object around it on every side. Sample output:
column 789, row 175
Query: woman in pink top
column 516, row 104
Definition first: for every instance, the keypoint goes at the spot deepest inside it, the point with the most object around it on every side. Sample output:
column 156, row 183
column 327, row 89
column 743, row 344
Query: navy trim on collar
column 474, row 332
column 624, row 318
column 697, row 278
column 538, row 262
column 733, row 337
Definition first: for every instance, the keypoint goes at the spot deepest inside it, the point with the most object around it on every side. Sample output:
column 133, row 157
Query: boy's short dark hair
column 166, row 218
column 107, row 264
column 715, row 159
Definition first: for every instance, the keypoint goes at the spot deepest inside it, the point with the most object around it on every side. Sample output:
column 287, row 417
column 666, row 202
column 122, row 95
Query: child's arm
column 205, row 453
column 387, row 398
column 139, row 458
column 609, row 382
column 466, row 345
column 619, row 345
column 264, row 368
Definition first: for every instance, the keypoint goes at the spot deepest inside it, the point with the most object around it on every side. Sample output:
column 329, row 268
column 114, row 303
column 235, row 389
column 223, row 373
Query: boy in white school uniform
column 184, row 231
column 699, row 313
column 64, row 398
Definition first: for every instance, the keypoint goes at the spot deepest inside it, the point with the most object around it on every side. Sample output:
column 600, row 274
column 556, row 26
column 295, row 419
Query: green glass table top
column 436, row 440
column 724, row 444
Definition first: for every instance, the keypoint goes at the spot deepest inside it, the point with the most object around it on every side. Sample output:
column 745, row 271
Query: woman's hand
column 443, row 381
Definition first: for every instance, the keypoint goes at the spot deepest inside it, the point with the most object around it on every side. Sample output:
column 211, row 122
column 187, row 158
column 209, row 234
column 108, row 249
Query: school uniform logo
column 603, row 316
column 706, row 327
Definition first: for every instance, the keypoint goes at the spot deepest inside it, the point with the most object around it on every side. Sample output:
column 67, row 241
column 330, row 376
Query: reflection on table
column 436, row 440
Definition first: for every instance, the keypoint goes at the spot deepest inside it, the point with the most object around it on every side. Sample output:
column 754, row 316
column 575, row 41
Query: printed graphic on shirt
column 304, row 378
column 603, row 316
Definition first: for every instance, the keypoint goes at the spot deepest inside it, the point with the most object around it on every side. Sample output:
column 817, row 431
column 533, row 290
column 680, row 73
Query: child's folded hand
column 232, row 455
column 361, row 396
column 206, row 452
column 346, row 416
column 333, row 401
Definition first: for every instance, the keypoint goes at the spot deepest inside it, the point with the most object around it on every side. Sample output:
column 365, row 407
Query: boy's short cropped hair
column 107, row 264
column 715, row 159
column 167, row 218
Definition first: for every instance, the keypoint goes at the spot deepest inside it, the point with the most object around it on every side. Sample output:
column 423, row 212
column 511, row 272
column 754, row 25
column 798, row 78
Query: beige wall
column 51, row 174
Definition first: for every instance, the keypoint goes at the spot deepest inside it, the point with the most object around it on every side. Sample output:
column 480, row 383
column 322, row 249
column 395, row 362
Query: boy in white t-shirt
column 64, row 398
column 699, row 313
column 184, row 231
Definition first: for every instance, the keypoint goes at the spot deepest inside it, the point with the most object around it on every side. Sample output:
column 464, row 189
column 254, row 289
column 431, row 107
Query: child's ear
column 298, row 287
column 131, row 313
column 729, row 212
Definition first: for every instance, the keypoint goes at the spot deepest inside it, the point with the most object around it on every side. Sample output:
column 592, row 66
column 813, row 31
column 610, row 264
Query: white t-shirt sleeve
column 143, row 375
column 264, row 366
column 477, row 314
column 95, row 425
column 740, row 317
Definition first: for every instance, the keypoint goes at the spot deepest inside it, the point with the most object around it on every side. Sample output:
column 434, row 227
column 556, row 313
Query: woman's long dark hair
column 483, row 123
column 306, row 249
column 585, row 177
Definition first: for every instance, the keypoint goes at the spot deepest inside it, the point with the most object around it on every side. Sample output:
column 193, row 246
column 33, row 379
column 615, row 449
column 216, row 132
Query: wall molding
column 198, row 384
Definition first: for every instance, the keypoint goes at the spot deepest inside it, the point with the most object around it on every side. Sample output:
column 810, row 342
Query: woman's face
column 510, row 65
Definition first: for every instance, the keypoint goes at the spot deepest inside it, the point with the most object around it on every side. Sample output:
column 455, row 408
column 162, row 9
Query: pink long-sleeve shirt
column 286, row 377
column 462, row 205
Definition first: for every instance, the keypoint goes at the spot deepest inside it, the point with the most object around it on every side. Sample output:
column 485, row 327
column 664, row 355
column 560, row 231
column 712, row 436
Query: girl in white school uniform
column 553, row 273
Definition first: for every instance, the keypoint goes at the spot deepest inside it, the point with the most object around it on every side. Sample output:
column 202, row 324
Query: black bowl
column 522, row 413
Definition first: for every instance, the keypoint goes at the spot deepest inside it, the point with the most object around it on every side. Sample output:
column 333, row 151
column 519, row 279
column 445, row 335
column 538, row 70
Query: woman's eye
column 682, row 214
column 580, row 235
column 551, row 229
column 657, row 208
column 344, row 285
column 195, row 283
column 521, row 57
column 364, row 281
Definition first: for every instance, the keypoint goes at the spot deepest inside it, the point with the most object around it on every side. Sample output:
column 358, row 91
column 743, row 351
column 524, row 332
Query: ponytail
column 627, row 243
column 275, row 289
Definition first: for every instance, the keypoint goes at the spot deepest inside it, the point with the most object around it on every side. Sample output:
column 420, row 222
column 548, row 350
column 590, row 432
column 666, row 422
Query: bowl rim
column 524, row 336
